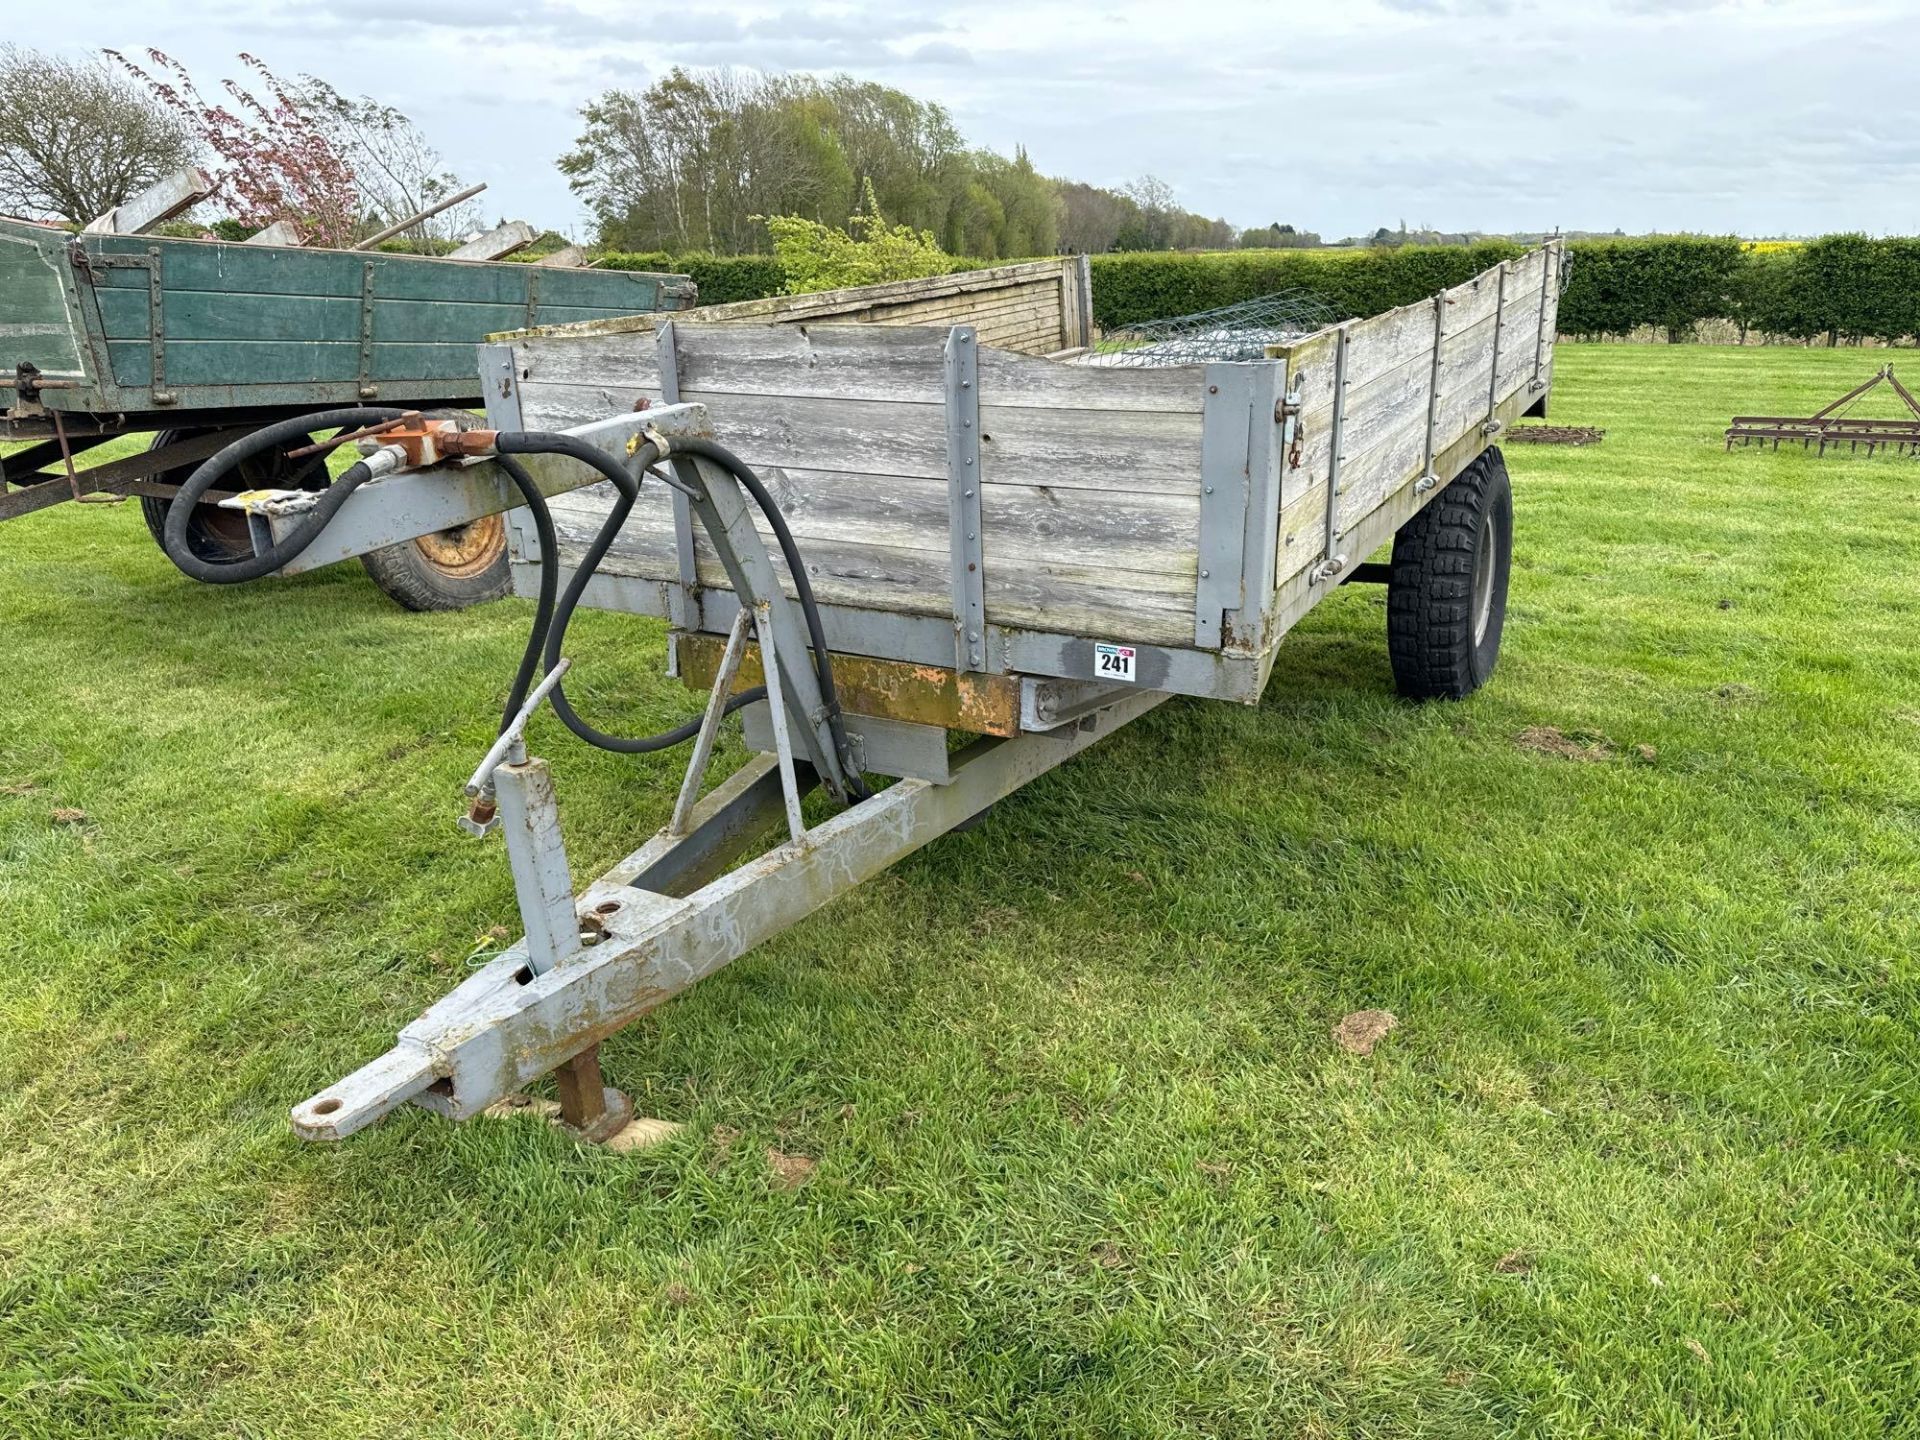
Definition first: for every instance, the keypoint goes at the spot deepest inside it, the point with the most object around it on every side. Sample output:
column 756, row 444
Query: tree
column 693, row 162
column 1158, row 213
column 1020, row 203
column 273, row 159
column 1278, row 237
column 396, row 170
column 819, row 257
column 688, row 163
column 1092, row 219
column 77, row 138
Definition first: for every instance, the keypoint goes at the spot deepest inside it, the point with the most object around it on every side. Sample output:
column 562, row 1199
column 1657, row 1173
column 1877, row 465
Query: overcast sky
column 1753, row 116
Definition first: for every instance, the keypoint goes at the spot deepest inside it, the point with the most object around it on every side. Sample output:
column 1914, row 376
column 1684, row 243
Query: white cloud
column 1758, row 116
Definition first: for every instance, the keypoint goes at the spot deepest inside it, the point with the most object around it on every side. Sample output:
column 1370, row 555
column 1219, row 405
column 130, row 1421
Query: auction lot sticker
column 1114, row 662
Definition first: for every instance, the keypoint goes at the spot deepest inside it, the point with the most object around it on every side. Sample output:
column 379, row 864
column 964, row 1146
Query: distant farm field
column 1640, row 1157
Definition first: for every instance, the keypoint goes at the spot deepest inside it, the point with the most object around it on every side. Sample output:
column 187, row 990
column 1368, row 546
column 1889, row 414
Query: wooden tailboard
column 1035, row 308
column 1090, row 491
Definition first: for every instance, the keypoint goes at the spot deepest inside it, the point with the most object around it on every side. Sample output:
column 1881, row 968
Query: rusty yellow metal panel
column 892, row 689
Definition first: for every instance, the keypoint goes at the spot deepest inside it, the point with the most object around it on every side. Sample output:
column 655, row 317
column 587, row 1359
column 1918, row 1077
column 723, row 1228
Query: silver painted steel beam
column 506, row 1025
column 419, row 502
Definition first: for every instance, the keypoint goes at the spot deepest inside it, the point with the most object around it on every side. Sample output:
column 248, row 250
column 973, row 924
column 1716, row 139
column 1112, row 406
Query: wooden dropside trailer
column 966, row 506
column 1028, row 551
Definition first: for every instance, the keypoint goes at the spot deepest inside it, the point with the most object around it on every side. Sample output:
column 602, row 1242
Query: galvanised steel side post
column 1333, row 561
column 537, row 855
column 965, row 472
column 1427, row 478
column 1492, row 425
column 682, row 599
column 1225, row 483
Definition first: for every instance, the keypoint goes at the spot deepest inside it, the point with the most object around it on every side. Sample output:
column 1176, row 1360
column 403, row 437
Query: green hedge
column 1844, row 286
column 1616, row 286
column 725, row 278
column 1670, row 282
column 722, row 278
column 1132, row 287
column 1847, row 287
column 1850, row 287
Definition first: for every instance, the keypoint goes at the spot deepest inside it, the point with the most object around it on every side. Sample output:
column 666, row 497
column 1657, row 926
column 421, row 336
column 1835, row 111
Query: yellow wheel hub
column 465, row 550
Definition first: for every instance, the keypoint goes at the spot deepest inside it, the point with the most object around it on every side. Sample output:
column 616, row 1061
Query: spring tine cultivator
column 1831, row 426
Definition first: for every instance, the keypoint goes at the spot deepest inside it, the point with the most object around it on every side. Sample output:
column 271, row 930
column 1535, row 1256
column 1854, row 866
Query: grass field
column 1640, row 1158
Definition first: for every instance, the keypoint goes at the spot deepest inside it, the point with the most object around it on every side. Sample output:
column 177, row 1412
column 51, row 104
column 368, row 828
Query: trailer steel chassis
column 677, row 908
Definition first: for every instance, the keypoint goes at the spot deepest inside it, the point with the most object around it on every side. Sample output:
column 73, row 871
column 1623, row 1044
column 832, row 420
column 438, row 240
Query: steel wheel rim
column 1483, row 580
column 229, row 528
column 464, row 551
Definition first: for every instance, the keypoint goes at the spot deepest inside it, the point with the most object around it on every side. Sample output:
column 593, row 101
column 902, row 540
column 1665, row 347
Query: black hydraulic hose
column 543, row 624
column 549, row 586
column 180, row 509
column 548, row 639
column 552, row 612
column 535, row 442
column 802, row 586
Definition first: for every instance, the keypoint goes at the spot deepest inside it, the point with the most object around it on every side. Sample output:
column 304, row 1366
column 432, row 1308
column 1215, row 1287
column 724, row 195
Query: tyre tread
column 1430, row 592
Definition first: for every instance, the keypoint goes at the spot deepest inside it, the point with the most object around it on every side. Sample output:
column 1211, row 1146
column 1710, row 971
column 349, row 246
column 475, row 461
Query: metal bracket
column 964, row 476
column 778, row 717
column 1427, row 478
column 156, row 317
column 1226, row 459
column 500, row 392
column 1547, row 254
column 368, row 390
column 263, row 507
column 710, row 724
column 156, row 307
column 533, row 295
column 1287, row 414
column 722, row 508
column 1492, row 425
column 1334, row 562
column 1048, row 704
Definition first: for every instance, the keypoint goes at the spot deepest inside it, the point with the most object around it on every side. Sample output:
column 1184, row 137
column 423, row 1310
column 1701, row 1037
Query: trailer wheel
column 214, row 535
column 1447, row 598
column 448, row 570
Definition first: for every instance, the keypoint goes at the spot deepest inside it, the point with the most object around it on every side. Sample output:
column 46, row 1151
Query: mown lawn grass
column 1639, row 1159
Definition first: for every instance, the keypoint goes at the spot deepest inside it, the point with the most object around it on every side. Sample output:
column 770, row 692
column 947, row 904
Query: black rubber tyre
column 450, row 569
column 1447, row 600
column 446, row 571
column 214, row 535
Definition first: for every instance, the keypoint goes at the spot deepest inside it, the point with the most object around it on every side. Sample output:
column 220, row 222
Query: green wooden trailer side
column 134, row 326
column 199, row 343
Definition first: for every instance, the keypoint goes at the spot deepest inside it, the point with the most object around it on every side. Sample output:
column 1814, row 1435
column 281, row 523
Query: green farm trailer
column 196, row 344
